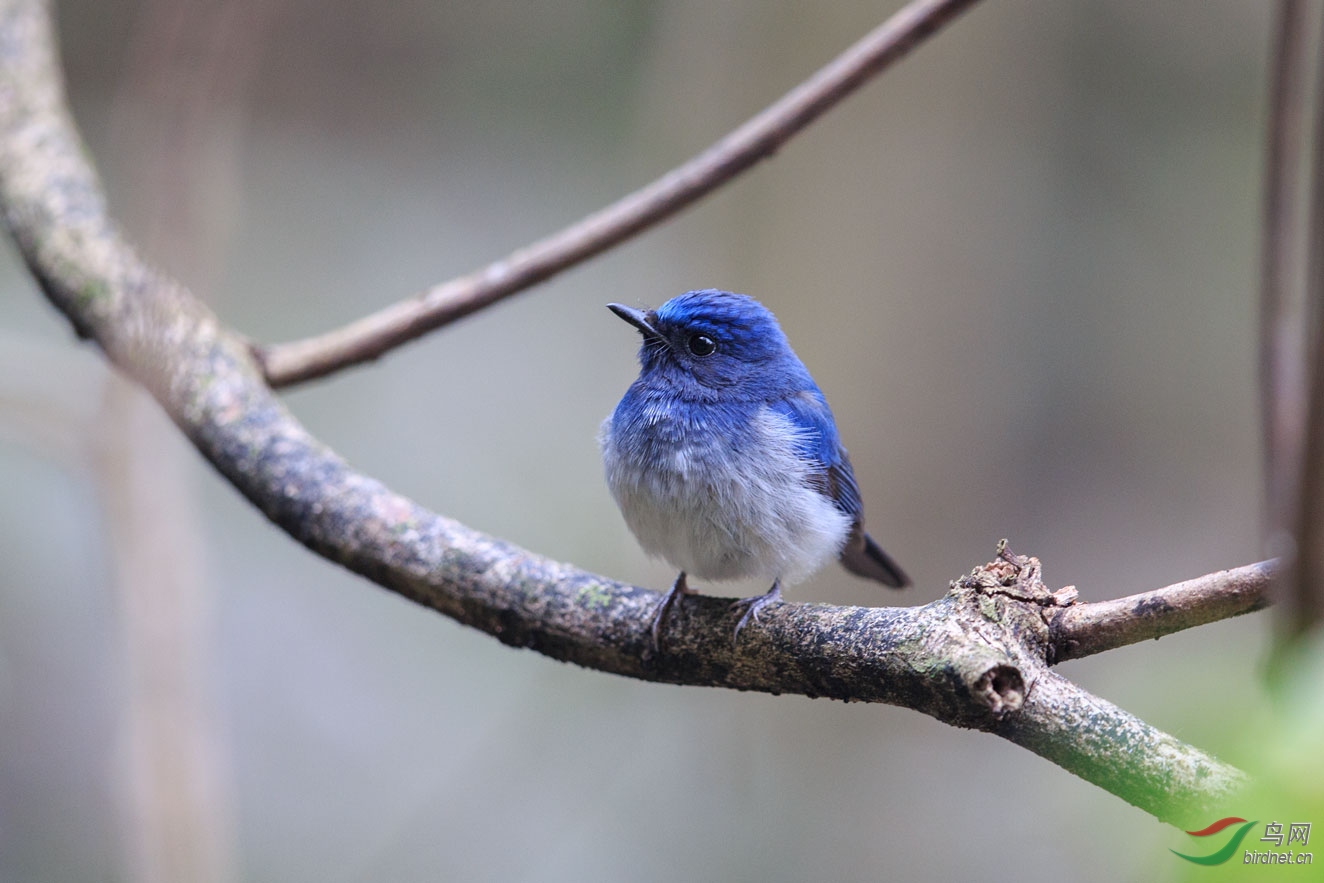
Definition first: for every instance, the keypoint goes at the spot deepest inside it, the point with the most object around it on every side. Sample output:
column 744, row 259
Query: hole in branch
column 1002, row 689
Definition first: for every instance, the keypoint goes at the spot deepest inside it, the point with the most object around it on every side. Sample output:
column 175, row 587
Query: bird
column 724, row 459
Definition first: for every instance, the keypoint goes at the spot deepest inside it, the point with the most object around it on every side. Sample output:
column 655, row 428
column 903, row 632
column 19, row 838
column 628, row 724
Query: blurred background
column 1022, row 265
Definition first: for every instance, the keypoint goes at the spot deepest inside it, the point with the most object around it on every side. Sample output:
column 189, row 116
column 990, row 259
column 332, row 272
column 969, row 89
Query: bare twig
column 371, row 336
column 1282, row 323
column 1085, row 629
column 974, row 658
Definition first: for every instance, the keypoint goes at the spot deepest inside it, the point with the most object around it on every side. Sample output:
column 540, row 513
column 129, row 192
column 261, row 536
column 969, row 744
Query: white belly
column 717, row 512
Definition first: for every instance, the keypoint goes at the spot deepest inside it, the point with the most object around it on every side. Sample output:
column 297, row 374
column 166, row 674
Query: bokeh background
column 1022, row 265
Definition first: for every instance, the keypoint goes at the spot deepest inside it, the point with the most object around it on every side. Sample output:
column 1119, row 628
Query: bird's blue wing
column 832, row 474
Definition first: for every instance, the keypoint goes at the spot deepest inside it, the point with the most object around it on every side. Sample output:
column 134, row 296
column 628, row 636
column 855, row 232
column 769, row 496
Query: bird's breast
column 720, row 492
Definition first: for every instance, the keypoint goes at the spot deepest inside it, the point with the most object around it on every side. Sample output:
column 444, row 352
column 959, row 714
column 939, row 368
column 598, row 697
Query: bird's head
column 713, row 339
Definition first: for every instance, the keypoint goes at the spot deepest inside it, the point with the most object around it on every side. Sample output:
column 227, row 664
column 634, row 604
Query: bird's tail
column 863, row 557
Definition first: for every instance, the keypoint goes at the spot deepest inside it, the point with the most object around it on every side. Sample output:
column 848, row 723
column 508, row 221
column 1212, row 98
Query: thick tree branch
column 975, row 658
column 371, row 336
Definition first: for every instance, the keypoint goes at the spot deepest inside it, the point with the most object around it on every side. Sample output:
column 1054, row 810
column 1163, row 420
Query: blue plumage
column 724, row 458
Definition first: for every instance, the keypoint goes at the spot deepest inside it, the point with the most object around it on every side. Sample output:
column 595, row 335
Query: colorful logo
column 1297, row 832
column 1224, row 853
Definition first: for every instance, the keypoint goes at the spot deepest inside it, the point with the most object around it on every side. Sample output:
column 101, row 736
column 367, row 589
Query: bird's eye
column 701, row 345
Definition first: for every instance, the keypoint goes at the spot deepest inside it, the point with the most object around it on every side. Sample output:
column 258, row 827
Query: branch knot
column 1019, row 577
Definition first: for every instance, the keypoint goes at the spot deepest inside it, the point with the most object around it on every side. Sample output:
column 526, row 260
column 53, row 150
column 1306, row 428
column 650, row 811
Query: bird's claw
column 753, row 605
column 678, row 588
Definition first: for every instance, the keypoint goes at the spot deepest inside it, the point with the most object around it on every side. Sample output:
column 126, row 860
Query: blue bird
column 724, row 458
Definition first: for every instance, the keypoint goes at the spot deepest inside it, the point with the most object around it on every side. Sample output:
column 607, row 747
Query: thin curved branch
column 974, row 658
column 1085, row 629
column 369, row 337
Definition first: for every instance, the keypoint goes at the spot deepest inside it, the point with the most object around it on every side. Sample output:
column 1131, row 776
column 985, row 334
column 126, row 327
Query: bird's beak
column 639, row 319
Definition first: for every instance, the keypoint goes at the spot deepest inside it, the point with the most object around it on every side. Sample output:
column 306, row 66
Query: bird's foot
column 752, row 606
column 678, row 588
